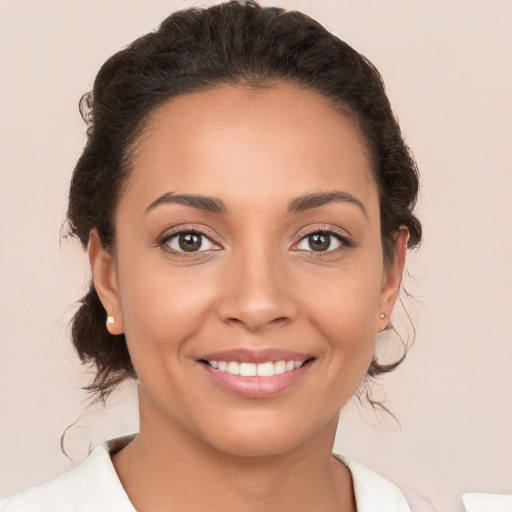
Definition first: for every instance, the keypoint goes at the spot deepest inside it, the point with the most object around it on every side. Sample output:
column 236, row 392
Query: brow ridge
column 315, row 200
column 297, row 205
column 205, row 203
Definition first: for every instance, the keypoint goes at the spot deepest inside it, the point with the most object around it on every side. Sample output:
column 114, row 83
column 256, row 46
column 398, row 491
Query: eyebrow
column 309, row 201
column 299, row 204
column 205, row 203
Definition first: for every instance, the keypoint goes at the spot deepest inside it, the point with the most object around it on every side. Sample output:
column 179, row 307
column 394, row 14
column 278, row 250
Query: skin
column 257, row 285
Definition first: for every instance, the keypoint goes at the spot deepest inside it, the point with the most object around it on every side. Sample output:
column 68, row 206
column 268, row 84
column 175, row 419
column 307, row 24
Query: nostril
column 256, row 321
column 234, row 320
column 255, row 312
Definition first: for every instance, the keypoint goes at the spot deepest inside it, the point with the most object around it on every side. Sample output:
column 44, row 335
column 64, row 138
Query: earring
column 110, row 320
column 382, row 316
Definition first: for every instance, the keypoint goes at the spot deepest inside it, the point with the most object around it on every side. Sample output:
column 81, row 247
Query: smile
column 256, row 374
column 264, row 369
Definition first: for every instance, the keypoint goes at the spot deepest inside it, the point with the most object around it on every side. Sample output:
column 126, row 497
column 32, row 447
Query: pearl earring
column 382, row 316
column 110, row 320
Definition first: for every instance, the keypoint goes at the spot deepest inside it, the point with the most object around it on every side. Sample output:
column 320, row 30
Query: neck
column 166, row 468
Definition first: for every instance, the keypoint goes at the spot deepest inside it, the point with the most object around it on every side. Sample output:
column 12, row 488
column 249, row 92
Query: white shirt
column 93, row 486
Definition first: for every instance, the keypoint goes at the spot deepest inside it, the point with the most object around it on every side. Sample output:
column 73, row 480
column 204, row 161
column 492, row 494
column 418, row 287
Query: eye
column 189, row 242
column 321, row 241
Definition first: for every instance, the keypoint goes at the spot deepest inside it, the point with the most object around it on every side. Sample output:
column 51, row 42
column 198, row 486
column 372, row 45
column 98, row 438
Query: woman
column 246, row 199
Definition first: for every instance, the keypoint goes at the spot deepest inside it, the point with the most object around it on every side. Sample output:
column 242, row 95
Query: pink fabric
column 417, row 503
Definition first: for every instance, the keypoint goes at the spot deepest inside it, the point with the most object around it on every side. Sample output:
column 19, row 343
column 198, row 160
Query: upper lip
column 245, row 355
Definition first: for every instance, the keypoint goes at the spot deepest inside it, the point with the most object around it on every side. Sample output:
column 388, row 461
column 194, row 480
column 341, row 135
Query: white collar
column 94, row 486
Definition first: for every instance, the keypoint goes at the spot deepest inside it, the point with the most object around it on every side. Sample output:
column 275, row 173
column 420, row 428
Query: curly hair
column 241, row 43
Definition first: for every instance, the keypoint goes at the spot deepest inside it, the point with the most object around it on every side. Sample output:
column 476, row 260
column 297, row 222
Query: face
column 248, row 275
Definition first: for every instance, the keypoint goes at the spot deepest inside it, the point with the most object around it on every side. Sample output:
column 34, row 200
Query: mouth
column 256, row 374
column 264, row 369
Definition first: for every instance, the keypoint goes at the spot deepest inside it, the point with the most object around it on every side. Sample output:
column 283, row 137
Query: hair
column 237, row 43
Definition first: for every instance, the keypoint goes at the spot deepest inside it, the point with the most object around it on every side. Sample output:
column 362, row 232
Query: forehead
column 243, row 142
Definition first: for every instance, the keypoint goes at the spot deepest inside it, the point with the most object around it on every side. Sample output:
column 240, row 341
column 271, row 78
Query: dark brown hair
column 239, row 43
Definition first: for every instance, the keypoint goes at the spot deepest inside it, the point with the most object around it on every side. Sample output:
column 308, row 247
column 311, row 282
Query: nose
column 255, row 291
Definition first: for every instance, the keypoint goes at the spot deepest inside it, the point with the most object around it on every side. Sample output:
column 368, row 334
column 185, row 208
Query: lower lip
column 257, row 387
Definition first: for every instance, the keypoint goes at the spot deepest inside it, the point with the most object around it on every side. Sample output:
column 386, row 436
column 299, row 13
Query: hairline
column 249, row 81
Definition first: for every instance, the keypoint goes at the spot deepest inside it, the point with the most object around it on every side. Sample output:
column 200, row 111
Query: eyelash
column 346, row 241
column 164, row 241
column 342, row 237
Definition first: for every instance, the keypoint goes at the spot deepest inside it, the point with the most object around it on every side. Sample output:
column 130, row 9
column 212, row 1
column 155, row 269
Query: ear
column 392, row 278
column 104, row 278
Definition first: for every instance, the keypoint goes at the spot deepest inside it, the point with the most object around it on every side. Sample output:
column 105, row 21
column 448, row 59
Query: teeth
column 248, row 369
column 233, row 367
column 266, row 369
column 279, row 367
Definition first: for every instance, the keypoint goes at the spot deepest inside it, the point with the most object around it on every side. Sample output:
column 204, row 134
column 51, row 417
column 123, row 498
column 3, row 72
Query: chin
column 254, row 445
column 263, row 435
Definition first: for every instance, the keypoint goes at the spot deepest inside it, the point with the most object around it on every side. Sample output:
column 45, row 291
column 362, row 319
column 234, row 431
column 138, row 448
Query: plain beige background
column 447, row 69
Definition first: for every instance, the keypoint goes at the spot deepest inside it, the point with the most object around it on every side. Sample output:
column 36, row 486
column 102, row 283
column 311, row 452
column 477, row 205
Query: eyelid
column 167, row 235
column 328, row 229
column 324, row 228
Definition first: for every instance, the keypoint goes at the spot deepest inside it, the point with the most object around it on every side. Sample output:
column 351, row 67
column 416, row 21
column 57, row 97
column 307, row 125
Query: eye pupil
column 319, row 242
column 190, row 242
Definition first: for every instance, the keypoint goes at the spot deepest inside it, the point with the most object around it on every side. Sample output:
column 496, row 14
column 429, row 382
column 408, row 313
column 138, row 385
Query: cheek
column 344, row 300
column 344, row 308
column 162, row 308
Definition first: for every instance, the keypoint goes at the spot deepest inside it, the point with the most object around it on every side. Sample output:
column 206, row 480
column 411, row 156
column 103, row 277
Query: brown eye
column 320, row 242
column 190, row 242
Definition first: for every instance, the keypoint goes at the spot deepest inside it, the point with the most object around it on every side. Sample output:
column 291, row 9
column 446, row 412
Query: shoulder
column 374, row 493
column 90, row 487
